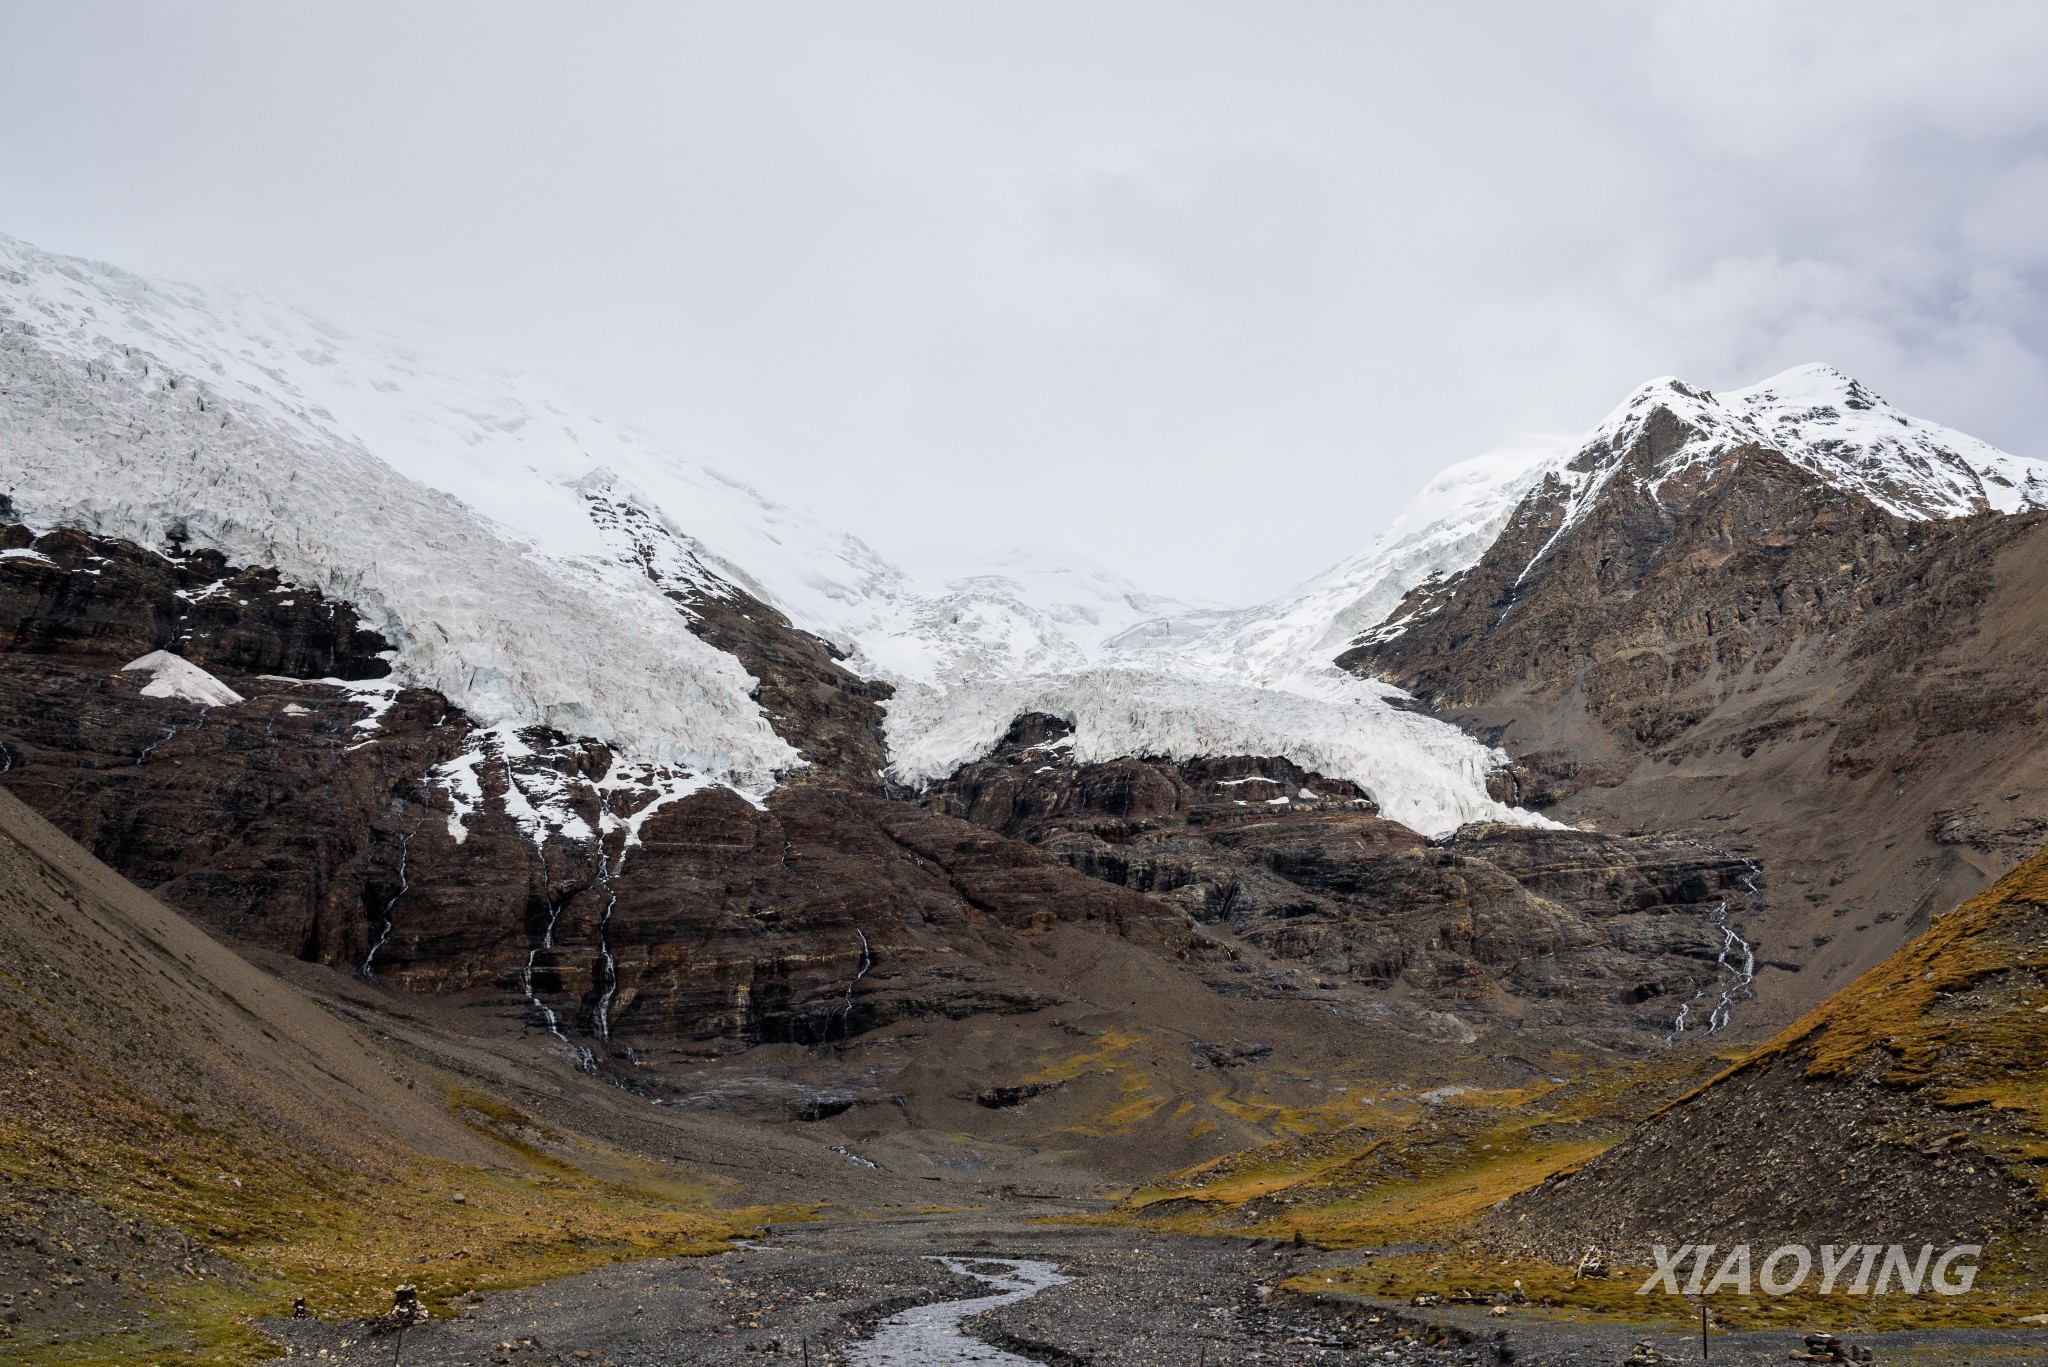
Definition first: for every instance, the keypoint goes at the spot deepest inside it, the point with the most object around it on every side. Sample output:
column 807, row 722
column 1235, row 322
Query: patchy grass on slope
column 1959, row 1014
column 267, row 1220
column 1416, row 1168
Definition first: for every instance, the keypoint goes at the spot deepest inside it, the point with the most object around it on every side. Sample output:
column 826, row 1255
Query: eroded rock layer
column 358, row 824
column 1537, row 927
column 325, row 821
column 1780, row 666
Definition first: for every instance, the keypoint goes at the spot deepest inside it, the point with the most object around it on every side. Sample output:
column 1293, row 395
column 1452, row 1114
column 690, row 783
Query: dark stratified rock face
column 1731, row 647
column 1546, row 928
column 332, row 823
column 1662, row 599
column 65, row 593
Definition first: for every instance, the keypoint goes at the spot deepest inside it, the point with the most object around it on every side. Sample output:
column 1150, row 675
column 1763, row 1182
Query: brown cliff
column 1750, row 656
column 321, row 822
column 1553, row 930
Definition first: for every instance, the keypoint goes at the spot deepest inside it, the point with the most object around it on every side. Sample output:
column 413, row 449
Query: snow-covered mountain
column 471, row 515
column 1445, row 529
column 474, row 516
column 1827, row 424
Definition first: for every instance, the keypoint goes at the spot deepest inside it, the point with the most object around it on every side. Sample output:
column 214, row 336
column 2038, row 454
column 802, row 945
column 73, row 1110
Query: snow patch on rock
column 174, row 676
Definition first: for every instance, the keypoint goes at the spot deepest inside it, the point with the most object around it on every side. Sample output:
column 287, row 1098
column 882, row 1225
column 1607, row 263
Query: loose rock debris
column 825, row 1291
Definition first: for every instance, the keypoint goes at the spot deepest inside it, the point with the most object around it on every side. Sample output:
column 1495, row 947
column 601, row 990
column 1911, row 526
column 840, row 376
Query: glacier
column 453, row 505
column 469, row 513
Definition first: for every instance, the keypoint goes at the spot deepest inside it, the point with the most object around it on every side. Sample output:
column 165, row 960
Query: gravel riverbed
column 823, row 1292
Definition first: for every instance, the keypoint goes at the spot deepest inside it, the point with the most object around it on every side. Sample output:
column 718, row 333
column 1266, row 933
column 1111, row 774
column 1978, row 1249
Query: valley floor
column 1135, row 1299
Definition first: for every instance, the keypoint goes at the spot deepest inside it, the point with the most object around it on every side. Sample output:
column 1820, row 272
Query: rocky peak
column 1788, row 616
column 1682, row 514
column 1827, row 424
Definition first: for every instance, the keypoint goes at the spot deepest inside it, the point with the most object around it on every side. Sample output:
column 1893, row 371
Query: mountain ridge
column 449, row 504
column 1690, row 632
column 426, row 688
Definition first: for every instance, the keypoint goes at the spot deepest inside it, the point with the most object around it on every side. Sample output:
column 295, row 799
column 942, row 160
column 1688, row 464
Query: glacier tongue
column 1202, row 681
column 1424, row 773
column 1444, row 530
column 472, row 516
column 134, row 410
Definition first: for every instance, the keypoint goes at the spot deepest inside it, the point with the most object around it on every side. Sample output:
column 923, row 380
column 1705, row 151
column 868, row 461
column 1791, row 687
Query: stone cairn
column 405, row 1312
column 1829, row 1348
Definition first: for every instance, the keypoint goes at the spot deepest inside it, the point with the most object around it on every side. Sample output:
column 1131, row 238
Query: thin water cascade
column 1732, row 945
column 867, row 961
column 931, row 1336
column 143, row 758
column 404, row 884
column 169, row 731
column 547, row 942
column 603, row 1012
column 1717, row 1019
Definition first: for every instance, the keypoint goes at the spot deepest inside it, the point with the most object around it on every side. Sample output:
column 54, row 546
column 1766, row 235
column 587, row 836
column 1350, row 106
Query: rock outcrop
column 1556, row 929
column 830, row 714
column 330, row 822
column 360, row 824
column 1727, row 646
column 70, row 594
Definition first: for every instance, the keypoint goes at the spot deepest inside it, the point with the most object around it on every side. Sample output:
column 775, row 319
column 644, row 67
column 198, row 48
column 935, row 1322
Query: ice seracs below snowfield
column 474, row 518
column 1445, row 529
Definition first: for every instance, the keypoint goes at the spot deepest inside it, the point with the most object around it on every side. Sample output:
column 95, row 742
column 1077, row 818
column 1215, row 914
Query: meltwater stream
column 1733, row 947
column 931, row 1336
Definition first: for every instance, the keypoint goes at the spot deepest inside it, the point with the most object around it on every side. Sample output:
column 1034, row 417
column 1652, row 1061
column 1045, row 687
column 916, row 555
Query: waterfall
column 547, row 941
column 602, row 1015
column 1732, row 945
column 404, row 884
column 867, row 961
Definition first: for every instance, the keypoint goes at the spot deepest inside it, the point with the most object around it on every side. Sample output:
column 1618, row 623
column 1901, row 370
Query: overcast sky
column 1202, row 291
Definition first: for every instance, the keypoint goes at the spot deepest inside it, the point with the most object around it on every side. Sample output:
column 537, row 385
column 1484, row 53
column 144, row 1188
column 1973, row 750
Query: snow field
column 515, row 548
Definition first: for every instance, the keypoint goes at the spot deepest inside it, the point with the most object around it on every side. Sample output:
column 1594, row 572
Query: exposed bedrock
column 1542, row 927
column 830, row 714
column 329, row 822
column 1781, row 666
column 378, row 829
column 69, row 594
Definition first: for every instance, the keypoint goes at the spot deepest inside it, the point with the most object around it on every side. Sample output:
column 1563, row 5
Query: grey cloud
column 1203, row 291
